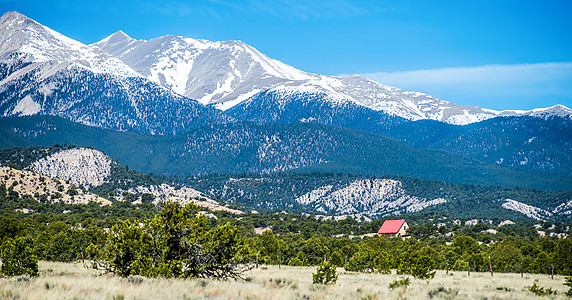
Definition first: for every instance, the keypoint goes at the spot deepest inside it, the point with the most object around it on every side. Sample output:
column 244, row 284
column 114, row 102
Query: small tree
column 325, row 274
column 369, row 260
column 397, row 283
column 419, row 264
column 18, row 258
column 124, row 250
column 423, row 266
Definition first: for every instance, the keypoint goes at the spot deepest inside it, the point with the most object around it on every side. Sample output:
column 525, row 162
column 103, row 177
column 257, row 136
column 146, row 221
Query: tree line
column 179, row 241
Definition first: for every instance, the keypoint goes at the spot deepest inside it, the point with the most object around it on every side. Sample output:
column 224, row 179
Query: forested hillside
column 337, row 193
column 310, row 192
column 269, row 148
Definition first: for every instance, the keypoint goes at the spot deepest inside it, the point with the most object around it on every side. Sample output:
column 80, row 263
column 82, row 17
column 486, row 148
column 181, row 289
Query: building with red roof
column 393, row 228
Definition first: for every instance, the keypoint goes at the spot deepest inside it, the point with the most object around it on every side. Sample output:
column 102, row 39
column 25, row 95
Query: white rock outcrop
column 366, row 196
column 81, row 166
column 527, row 210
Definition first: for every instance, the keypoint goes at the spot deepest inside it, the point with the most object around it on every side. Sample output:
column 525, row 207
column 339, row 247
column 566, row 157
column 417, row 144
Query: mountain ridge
column 44, row 72
column 269, row 148
column 181, row 63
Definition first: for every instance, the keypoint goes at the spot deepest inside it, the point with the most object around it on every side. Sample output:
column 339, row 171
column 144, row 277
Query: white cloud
column 522, row 86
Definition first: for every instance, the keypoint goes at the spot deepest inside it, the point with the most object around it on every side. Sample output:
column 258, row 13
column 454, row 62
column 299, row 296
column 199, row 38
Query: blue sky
column 501, row 54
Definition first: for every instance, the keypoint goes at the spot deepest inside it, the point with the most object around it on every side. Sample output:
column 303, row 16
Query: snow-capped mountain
column 45, row 72
column 229, row 73
column 222, row 73
column 24, row 38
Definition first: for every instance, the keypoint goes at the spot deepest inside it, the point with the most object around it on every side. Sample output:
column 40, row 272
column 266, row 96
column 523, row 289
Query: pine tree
column 325, row 274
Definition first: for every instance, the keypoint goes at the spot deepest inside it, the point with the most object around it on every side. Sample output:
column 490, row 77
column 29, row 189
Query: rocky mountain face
column 80, row 166
column 44, row 72
column 231, row 73
column 183, row 194
column 366, row 196
column 373, row 197
column 139, row 86
column 75, row 175
column 255, row 114
column 211, row 72
column 530, row 211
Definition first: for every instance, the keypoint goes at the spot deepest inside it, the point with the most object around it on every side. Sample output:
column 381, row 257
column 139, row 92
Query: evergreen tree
column 18, row 258
column 325, row 274
column 177, row 242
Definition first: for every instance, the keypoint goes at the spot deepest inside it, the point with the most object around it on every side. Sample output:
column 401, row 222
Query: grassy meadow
column 73, row 281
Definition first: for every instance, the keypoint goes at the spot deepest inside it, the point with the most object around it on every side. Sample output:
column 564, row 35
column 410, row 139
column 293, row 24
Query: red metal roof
column 391, row 226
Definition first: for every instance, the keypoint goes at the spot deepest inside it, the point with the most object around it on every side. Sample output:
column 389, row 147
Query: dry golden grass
column 73, row 281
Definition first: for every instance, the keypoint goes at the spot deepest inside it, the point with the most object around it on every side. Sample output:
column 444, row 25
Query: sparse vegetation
column 541, row 291
column 399, row 283
column 442, row 291
column 73, row 280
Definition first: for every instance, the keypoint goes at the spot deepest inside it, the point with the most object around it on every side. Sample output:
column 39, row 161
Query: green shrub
column 369, row 261
column 397, row 283
column 177, row 242
column 568, row 282
column 447, row 293
column 295, row 262
column 540, row 291
column 18, row 258
column 419, row 264
column 325, row 274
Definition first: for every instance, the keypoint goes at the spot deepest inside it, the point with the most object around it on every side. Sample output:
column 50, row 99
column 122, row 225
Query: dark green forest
column 305, row 147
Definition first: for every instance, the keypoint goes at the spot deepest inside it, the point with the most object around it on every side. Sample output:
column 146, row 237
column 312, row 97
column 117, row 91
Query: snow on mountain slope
column 44, row 72
column 25, row 38
column 211, row 72
column 81, row 166
column 366, row 196
column 228, row 73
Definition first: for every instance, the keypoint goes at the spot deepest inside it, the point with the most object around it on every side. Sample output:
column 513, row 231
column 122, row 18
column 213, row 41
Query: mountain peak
column 556, row 110
column 14, row 22
column 12, row 15
column 117, row 37
column 27, row 39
